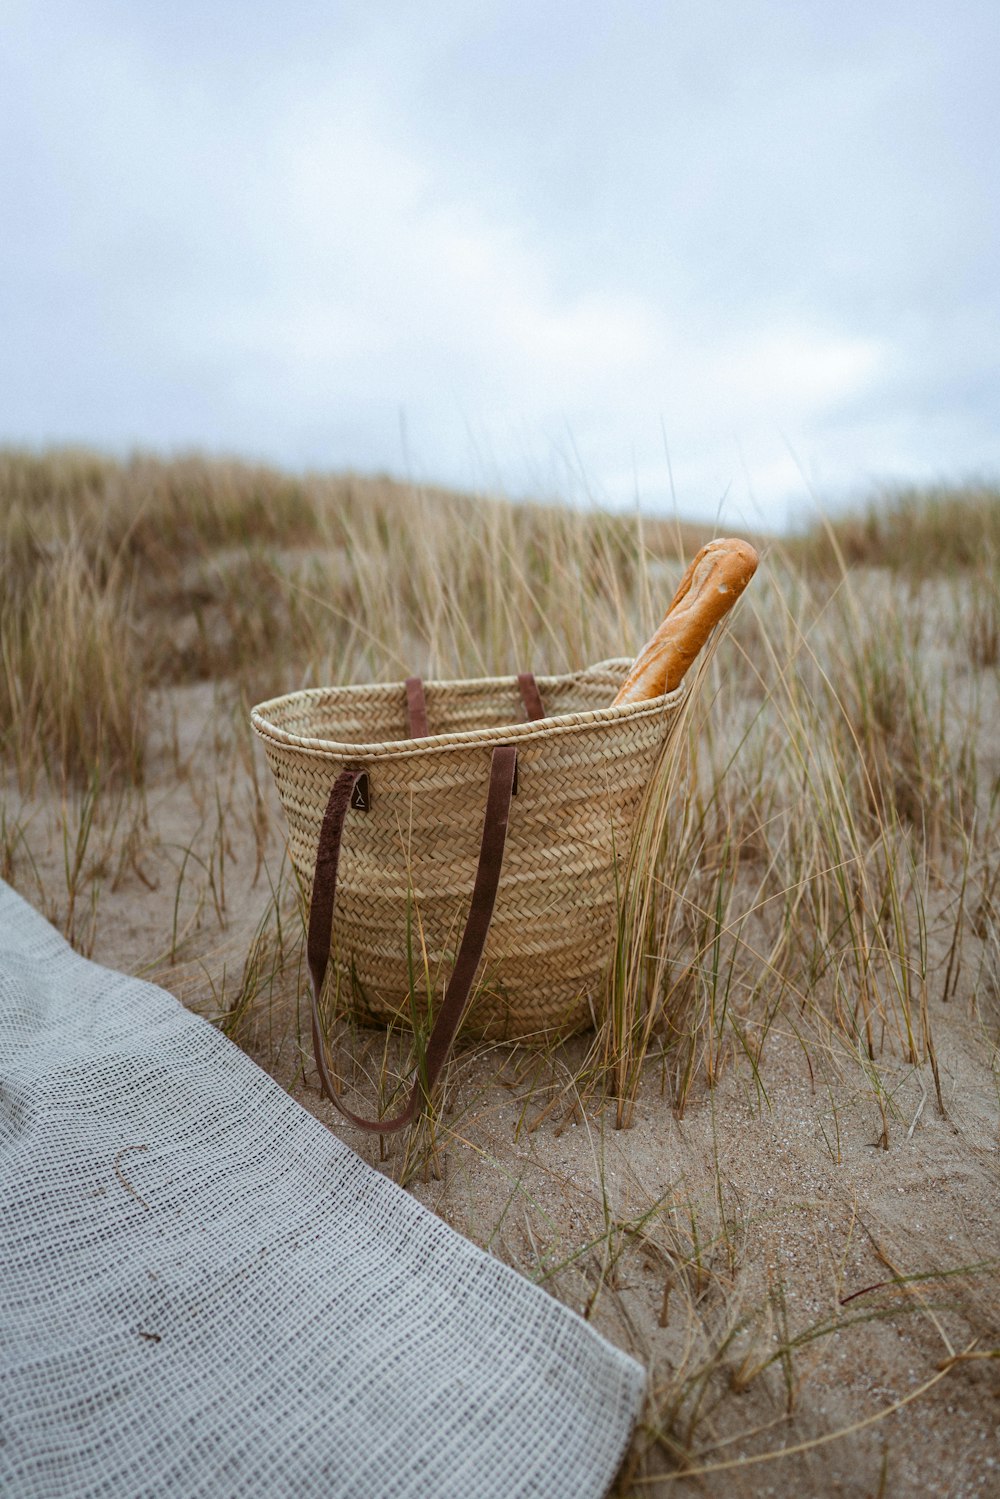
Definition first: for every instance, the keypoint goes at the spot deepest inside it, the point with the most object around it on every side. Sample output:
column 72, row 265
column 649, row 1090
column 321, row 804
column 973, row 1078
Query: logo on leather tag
column 361, row 797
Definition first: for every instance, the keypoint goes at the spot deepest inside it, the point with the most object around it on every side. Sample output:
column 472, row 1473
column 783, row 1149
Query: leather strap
column 530, row 696
column 445, row 1028
column 416, row 709
column 416, row 703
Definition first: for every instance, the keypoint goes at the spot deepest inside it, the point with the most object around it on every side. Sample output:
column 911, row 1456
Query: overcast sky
column 537, row 247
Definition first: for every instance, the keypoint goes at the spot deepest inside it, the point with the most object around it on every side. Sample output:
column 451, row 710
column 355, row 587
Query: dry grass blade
column 803, row 1016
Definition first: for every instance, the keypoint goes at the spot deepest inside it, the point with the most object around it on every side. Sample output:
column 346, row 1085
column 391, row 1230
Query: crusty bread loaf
column 708, row 590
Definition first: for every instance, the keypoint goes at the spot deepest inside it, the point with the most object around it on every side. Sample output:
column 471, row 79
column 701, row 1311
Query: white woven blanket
column 203, row 1292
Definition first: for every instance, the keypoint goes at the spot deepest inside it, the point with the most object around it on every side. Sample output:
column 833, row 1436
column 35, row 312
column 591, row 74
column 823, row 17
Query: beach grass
column 811, row 908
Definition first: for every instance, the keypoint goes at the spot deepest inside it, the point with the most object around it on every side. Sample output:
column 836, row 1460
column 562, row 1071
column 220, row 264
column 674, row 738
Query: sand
column 785, row 1277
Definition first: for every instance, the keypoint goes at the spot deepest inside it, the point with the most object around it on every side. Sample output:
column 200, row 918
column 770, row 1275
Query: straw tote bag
column 449, row 830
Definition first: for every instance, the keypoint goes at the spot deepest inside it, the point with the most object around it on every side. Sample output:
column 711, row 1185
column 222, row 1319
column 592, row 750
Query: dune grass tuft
column 815, row 878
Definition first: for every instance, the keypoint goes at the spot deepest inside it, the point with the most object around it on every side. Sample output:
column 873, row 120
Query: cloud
column 537, row 242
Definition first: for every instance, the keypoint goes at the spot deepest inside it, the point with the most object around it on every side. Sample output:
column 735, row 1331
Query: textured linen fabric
column 204, row 1292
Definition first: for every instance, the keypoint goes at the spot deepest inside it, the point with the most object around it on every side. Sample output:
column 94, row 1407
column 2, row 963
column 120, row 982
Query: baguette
column 707, row 592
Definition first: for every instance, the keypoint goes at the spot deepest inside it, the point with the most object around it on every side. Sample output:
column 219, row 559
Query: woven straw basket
column 404, row 865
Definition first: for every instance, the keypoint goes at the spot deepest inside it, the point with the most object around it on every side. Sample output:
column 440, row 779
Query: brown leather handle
column 416, row 703
column 502, row 783
column 416, row 709
column 530, row 696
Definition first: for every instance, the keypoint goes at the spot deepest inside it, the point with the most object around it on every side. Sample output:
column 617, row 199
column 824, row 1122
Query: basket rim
column 541, row 728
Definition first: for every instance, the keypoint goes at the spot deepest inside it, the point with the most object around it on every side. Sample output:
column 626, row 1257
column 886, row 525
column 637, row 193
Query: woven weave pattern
column 408, row 863
column 205, row 1294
